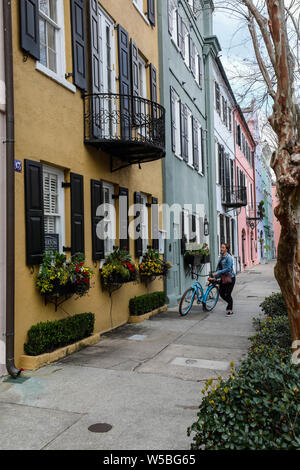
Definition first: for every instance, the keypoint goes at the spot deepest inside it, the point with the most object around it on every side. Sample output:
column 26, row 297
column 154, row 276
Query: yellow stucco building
column 85, row 89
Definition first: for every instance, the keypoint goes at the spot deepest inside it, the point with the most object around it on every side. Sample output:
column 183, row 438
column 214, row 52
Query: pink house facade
column 245, row 179
column 277, row 226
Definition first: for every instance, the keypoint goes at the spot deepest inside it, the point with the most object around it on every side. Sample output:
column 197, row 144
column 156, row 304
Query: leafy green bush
column 146, row 303
column 273, row 335
column 48, row 336
column 274, row 305
column 258, row 407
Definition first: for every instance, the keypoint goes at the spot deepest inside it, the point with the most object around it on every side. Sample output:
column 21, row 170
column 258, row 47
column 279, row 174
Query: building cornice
column 212, row 46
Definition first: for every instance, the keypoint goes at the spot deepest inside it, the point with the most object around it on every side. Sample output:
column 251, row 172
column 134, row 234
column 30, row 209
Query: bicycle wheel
column 187, row 301
column 211, row 299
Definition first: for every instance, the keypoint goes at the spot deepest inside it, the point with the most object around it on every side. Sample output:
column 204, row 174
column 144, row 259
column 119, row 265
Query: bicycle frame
column 204, row 294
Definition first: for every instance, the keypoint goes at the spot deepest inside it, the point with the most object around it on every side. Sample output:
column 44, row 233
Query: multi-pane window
column 54, row 206
column 144, row 222
column 49, row 29
column 190, row 136
column 109, row 219
column 173, row 23
column 176, row 123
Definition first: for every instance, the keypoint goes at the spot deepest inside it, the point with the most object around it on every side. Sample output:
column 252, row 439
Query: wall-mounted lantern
column 206, row 227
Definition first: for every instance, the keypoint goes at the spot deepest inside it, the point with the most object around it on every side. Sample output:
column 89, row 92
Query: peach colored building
column 277, row 226
column 245, row 180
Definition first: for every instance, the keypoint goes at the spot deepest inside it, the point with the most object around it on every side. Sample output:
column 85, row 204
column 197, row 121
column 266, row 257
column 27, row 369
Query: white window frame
column 110, row 219
column 174, row 26
column 139, row 5
column 144, row 223
column 190, row 137
column 200, row 163
column 187, row 48
column 60, row 214
column 106, row 20
column 59, row 75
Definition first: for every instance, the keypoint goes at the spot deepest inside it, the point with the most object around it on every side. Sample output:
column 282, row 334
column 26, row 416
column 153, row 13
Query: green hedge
column 146, row 303
column 258, row 406
column 48, row 336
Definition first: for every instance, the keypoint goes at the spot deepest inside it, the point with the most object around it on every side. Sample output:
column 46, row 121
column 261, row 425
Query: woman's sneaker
column 229, row 314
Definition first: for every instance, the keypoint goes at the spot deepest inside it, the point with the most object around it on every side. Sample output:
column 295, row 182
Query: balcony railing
column 234, row 196
column 129, row 128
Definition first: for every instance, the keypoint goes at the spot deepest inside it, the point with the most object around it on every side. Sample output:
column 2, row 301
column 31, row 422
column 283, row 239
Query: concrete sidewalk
column 144, row 380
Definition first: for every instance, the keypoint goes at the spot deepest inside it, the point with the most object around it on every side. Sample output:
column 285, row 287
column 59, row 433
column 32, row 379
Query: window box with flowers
column 60, row 278
column 117, row 270
column 153, row 266
column 197, row 255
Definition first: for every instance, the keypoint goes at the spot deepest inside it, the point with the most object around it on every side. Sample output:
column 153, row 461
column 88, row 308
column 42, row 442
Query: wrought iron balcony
column 234, row 196
column 131, row 129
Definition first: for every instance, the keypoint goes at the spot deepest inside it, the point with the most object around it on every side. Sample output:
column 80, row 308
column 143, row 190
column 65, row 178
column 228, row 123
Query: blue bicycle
column 208, row 297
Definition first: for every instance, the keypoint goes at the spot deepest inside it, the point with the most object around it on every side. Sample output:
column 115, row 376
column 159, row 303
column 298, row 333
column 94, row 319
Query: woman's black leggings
column 225, row 293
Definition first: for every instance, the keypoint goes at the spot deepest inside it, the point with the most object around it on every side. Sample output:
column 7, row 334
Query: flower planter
column 205, row 259
column 194, row 260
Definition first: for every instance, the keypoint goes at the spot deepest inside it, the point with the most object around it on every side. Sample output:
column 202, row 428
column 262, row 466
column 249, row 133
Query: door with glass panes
column 107, row 75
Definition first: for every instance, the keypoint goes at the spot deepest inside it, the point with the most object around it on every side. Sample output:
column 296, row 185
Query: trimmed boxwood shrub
column 146, row 303
column 47, row 336
column 258, row 406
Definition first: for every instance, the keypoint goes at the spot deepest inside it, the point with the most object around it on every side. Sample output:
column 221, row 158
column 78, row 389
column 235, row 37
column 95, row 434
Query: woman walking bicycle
column 226, row 272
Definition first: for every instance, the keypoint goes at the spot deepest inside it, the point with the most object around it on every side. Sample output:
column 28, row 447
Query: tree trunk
column 287, row 270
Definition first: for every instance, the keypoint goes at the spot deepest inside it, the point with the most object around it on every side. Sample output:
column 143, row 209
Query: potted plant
column 153, row 265
column 117, row 270
column 60, row 277
column 261, row 212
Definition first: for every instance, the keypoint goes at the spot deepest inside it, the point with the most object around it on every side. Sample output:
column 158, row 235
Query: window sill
column 142, row 14
column 58, row 79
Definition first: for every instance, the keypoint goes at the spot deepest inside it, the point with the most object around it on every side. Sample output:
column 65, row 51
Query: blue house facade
column 187, row 51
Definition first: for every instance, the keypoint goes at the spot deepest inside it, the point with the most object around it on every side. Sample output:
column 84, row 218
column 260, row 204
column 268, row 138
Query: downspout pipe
column 10, row 193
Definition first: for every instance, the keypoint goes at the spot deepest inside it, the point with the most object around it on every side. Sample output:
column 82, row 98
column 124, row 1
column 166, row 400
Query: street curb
column 146, row 316
column 36, row 362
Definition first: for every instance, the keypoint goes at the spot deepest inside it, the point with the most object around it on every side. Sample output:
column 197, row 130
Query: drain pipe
column 10, row 194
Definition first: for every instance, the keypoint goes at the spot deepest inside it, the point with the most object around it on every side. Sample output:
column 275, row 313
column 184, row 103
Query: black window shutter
column 182, row 142
column 79, row 43
column 97, row 200
column 203, row 151
column 195, row 144
column 173, row 137
column 124, row 81
column 153, row 89
column 77, row 214
column 95, row 67
column 34, row 207
column 186, row 136
column 155, row 227
column 123, row 219
column 220, row 163
column 135, row 79
column 29, row 24
column 151, row 11
column 138, row 241
column 193, row 235
column 153, row 83
column 183, row 238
